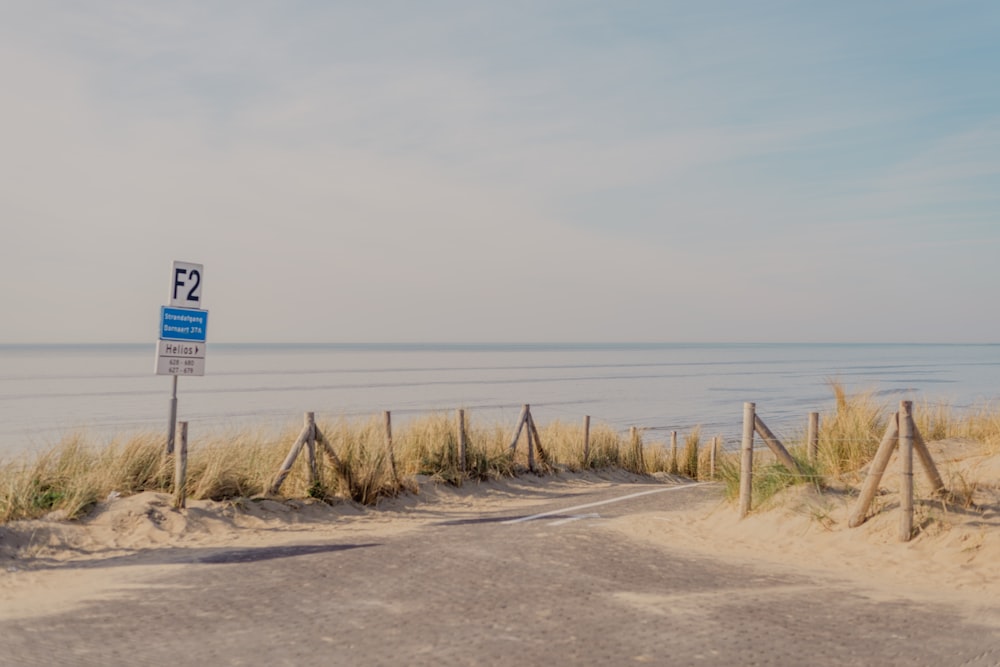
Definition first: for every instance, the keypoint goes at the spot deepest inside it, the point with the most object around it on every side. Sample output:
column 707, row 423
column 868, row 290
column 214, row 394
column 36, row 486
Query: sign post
column 183, row 331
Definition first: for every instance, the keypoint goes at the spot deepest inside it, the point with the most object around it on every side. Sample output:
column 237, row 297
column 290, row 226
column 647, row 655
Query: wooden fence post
column 520, row 425
column 712, row 454
column 531, row 441
column 875, row 471
column 906, row 470
column 586, row 441
column 674, row 467
column 388, row 446
column 461, row 441
column 775, row 446
column 746, row 459
column 812, row 438
column 293, row 453
column 542, row 454
column 310, row 425
column 180, row 468
column 934, row 477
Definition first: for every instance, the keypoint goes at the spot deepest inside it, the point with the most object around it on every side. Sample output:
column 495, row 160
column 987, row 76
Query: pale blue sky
column 520, row 171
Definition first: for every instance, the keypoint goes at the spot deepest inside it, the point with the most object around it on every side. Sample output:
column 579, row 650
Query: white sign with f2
column 185, row 285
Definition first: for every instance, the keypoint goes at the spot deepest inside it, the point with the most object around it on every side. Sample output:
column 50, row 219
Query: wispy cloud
column 633, row 172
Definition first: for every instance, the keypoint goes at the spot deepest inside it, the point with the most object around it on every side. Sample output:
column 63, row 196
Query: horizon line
column 483, row 344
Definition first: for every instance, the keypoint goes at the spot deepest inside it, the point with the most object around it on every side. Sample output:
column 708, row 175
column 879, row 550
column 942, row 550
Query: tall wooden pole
column 674, row 468
column 586, row 441
column 812, row 437
column 746, row 458
column 906, row 467
column 310, row 425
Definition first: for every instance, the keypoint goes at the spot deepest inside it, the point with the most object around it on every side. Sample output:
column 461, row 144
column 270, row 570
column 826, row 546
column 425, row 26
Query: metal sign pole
column 172, row 426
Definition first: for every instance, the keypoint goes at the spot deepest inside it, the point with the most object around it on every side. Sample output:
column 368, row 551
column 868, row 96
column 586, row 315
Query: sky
column 463, row 171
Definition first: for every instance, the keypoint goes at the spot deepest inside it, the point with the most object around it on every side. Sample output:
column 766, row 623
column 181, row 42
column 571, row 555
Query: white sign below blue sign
column 184, row 324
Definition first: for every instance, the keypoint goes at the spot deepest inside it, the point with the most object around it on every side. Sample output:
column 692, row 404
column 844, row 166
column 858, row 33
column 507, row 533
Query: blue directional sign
column 187, row 324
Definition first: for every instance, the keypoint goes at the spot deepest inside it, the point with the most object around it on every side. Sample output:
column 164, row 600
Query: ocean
column 104, row 391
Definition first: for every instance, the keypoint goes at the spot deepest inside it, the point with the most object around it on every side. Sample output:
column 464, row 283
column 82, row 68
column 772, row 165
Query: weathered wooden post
column 461, row 440
column 180, row 468
column 674, row 468
column 520, row 425
column 875, row 471
column 310, row 426
column 778, row 449
column 746, row 458
column 286, row 466
column 938, row 488
column 388, row 446
column 531, row 441
column 542, row 455
column 906, row 466
column 586, row 441
column 712, row 454
column 812, row 437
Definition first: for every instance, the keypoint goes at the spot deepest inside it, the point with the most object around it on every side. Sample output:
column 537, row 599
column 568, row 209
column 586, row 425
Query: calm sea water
column 107, row 390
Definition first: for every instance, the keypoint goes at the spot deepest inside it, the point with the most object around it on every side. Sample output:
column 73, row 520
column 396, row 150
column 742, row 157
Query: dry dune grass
column 76, row 474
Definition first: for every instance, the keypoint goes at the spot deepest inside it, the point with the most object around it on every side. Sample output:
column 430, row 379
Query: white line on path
column 600, row 502
column 575, row 517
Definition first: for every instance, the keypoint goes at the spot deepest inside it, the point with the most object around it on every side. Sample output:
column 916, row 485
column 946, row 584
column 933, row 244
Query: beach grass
column 72, row 476
column 849, row 436
column 75, row 474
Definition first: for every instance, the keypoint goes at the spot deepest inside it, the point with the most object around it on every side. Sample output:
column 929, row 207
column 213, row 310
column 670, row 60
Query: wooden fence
column 901, row 434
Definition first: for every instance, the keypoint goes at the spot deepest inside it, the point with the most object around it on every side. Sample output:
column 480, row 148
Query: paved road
column 558, row 589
